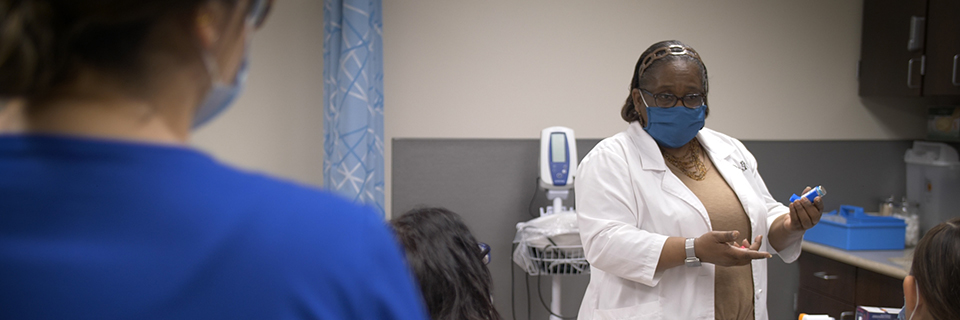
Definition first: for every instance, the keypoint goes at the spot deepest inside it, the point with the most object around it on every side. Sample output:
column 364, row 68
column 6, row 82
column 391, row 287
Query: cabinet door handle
column 910, row 72
column 917, row 24
column 955, row 83
column 825, row 276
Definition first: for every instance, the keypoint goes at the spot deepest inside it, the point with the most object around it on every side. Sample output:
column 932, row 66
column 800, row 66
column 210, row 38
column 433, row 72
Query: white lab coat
column 629, row 202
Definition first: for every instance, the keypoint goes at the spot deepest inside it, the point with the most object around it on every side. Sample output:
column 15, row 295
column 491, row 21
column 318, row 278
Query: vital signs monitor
column 558, row 158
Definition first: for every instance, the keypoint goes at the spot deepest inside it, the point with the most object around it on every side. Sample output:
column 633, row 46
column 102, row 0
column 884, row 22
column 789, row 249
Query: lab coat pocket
column 649, row 310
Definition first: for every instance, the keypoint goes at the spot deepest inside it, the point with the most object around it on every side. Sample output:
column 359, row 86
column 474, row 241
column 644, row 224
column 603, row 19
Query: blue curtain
column 353, row 100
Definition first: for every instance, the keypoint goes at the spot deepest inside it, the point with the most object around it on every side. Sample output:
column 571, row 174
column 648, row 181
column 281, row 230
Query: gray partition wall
column 492, row 182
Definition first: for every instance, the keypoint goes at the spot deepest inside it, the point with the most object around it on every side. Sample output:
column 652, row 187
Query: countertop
column 894, row 263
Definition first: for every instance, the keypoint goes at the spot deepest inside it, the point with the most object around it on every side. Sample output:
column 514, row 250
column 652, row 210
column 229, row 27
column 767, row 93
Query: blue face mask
column 221, row 95
column 674, row 127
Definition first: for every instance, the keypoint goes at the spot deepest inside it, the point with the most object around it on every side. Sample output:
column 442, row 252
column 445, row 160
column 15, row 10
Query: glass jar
column 887, row 207
column 909, row 212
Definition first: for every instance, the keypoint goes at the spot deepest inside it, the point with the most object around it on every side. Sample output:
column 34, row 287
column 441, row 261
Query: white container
column 933, row 181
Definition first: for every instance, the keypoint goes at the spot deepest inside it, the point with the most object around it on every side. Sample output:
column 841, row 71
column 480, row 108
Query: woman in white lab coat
column 667, row 208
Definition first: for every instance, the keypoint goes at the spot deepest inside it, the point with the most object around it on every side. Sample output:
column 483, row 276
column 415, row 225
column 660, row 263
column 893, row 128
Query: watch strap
column 691, row 260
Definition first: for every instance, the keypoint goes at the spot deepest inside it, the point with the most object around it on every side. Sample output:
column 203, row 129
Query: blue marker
column 810, row 195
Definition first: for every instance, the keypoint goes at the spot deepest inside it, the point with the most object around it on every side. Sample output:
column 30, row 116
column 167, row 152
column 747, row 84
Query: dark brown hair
column 43, row 42
column 936, row 268
column 629, row 112
column 448, row 263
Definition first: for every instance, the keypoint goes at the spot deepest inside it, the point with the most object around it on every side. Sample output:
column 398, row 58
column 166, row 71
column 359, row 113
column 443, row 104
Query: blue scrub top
column 99, row 229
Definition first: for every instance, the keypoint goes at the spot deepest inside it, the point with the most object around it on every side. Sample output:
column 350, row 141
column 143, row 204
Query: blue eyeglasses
column 485, row 253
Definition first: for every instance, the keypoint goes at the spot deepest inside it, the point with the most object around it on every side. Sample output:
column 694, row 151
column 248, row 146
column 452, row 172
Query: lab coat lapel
column 651, row 159
column 673, row 186
column 731, row 167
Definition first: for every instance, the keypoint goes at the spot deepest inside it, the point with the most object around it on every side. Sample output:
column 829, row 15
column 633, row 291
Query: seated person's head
column 448, row 263
column 932, row 291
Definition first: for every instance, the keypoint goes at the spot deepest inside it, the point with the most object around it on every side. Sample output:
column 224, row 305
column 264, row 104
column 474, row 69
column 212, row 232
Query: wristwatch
column 691, row 260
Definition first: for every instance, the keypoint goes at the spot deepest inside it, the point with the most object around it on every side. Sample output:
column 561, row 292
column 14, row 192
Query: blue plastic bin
column 851, row 229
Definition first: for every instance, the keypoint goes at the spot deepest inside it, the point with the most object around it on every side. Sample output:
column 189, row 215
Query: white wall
column 276, row 126
column 779, row 70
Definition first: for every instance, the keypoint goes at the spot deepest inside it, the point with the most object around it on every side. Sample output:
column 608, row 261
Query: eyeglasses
column 258, row 11
column 666, row 100
column 485, row 253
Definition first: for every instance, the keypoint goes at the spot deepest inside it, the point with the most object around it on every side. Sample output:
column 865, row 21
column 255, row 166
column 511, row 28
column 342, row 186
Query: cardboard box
column 877, row 313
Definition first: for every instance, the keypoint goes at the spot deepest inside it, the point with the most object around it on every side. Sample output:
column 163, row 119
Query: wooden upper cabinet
column 942, row 49
column 887, row 66
column 910, row 48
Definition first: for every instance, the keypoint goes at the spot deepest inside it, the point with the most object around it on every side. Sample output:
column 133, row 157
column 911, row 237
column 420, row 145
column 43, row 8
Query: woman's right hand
column 720, row 248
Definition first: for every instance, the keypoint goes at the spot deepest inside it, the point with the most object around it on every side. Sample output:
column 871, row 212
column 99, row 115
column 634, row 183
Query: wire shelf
column 557, row 260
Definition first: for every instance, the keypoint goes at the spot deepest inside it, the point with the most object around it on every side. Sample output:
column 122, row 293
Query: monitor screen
column 559, row 145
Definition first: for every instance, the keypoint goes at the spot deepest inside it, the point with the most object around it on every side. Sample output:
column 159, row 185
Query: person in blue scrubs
column 107, row 213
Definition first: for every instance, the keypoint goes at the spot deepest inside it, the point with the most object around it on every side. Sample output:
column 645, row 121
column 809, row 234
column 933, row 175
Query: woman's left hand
column 803, row 214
